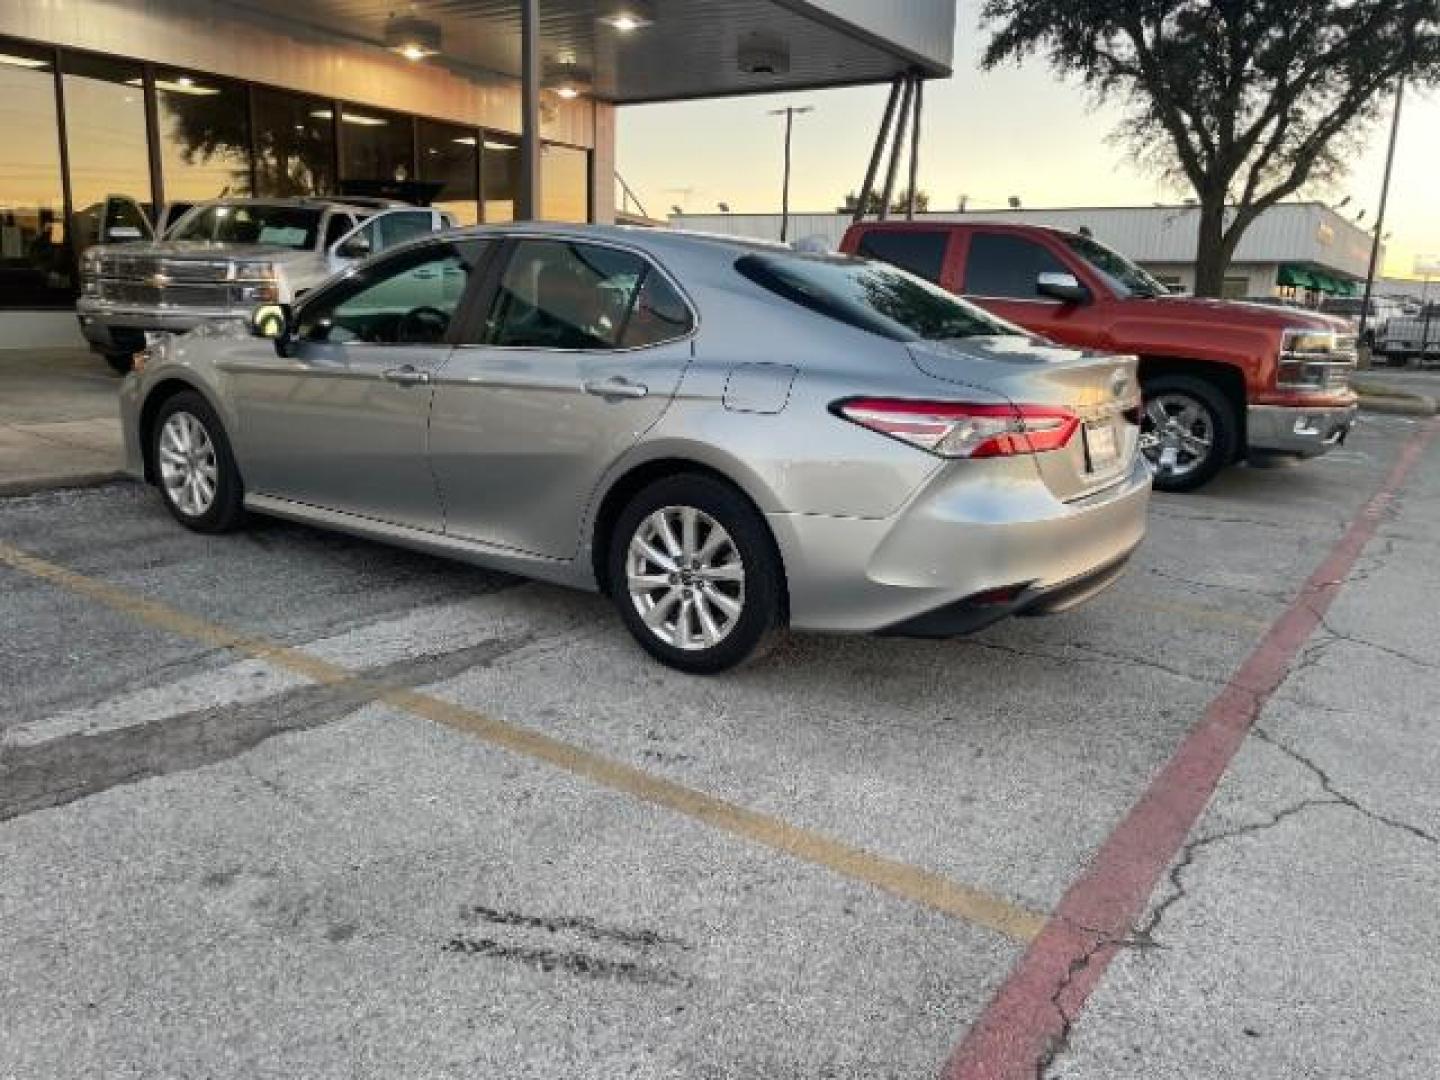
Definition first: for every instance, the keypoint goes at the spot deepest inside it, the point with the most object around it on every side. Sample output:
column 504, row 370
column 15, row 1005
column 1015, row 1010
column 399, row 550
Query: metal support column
column 882, row 139
column 915, row 147
column 897, row 149
column 528, row 203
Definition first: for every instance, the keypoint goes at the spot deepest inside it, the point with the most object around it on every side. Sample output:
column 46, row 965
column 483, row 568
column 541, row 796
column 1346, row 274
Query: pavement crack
column 1146, row 935
column 1269, row 594
column 1090, row 654
column 1338, row 797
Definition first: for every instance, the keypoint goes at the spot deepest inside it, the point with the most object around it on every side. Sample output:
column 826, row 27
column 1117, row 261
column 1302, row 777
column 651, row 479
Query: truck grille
column 149, row 267
column 147, row 294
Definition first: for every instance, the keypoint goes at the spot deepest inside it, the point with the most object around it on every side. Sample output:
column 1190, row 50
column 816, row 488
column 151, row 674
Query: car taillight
column 963, row 429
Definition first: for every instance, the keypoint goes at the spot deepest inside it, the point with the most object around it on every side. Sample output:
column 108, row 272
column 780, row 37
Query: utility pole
column 789, row 112
column 1380, row 218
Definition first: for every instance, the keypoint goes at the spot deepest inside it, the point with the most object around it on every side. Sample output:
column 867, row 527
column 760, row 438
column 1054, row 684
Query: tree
column 899, row 205
column 1246, row 101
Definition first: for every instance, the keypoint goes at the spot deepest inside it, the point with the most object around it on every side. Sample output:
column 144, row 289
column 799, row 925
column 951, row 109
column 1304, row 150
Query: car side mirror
column 357, row 247
column 1063, row 287
column 273, row 321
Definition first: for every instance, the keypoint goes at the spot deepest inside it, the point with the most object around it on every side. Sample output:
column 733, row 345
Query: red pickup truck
column 1223, row 381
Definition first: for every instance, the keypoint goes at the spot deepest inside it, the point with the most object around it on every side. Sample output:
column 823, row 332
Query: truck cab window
column 1001, row 265
column 921, row 253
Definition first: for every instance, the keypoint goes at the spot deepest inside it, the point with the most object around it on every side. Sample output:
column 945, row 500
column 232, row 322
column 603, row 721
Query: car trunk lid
column 1101, row 389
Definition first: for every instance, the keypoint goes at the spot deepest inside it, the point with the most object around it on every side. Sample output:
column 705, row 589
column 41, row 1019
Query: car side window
column 408, row 299
column 660, row 314
column 558, row 294
column 1003, row 265
column 921, row 253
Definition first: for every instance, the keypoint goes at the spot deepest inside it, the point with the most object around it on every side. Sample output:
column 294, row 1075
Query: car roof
column 316, row 202
column 647, row 239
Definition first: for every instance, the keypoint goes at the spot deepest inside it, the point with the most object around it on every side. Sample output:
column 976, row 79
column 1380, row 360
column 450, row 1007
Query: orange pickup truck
column 1223, row 381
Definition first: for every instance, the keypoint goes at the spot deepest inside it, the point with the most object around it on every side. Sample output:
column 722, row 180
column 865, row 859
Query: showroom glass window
column 450, row 155
column 501, row 162
column 204, row 136
column 376, row 147
column 294, row 144
column 564, row 184
column 35, row 266
column 105, row 135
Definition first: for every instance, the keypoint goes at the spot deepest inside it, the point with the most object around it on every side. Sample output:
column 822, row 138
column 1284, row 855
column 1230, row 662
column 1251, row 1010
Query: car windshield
column 1120, row 273
column 283, row 226
column 872, row 296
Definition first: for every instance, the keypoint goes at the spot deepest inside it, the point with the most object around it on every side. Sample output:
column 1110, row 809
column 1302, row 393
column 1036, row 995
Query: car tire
column 1197, row 437
column 194, row 467
column 120, row 363
column 697, row 600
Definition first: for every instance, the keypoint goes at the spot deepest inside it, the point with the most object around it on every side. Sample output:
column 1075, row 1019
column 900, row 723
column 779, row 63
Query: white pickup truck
column 1415, row 337
column 223, row 258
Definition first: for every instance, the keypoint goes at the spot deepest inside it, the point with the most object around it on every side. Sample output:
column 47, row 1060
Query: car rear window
column 871, row 296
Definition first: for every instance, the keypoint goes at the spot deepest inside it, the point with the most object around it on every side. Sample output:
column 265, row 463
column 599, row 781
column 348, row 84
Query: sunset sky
column 1017, row 131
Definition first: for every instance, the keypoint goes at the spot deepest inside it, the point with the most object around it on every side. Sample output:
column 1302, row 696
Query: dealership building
column 510, row 105
column 1304, row 251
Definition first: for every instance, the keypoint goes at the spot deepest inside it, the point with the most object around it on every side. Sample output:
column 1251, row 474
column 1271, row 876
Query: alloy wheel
column 685, row 578
column 1177, row 435
column 189, row 468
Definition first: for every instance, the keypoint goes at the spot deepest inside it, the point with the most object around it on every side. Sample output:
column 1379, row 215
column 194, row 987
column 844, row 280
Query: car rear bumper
column 1298, row 431
column 967, row 551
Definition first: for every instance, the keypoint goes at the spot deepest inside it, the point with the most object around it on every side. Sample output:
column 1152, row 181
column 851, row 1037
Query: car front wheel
column 199, row 482
column 695, row 575
column 1189, row 432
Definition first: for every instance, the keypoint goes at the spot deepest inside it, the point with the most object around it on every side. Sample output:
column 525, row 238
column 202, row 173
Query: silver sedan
column 727, row 438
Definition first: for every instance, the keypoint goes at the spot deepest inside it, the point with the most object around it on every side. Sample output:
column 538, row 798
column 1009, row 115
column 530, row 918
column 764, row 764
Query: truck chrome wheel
column 685, row 578
column 1177, row 435
column 189, row 470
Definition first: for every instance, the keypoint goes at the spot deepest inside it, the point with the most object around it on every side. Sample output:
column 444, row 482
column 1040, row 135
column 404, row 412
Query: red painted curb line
column 1049, row 986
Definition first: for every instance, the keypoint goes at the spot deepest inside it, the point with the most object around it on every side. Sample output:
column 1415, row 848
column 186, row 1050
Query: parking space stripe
column 900, row 879
column 1031, row 1014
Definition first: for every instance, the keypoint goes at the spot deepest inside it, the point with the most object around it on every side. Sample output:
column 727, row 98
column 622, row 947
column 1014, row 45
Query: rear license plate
column 1101, row 447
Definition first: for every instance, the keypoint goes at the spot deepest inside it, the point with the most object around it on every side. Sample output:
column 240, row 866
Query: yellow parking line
column 897, row 878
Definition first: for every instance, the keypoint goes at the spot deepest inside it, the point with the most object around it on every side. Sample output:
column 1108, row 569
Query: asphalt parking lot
column 290, row 804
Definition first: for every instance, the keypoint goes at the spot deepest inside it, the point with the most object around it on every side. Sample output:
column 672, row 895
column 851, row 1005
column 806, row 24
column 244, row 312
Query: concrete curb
column 36, row 485
column 1409, row 405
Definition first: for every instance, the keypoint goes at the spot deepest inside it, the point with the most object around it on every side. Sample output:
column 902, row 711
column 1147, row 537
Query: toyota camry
column 728, row 438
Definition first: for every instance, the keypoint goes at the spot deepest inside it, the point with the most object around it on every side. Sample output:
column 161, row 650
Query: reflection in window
column 560, row 295
column 375, row 146
column 294, row 144
column 501, row 162
column 34, row 264
column 204, row 137
column 105, row 131
column 451, row 155
column 564, row 184
column 405, row 300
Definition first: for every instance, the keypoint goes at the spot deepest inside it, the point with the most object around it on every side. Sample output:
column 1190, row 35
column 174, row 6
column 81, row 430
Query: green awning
column 1324, row 282
column 1296, row 276
column 1347, row 288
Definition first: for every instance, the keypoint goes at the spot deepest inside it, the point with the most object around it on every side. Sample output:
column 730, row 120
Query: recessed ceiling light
column 468, row 140
column 626, row 16
column 568, row 92
column 413, row 38
column 491, row 144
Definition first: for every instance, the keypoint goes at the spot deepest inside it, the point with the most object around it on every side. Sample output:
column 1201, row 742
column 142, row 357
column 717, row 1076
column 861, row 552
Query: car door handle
column 408, row 375
column 618, row 387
